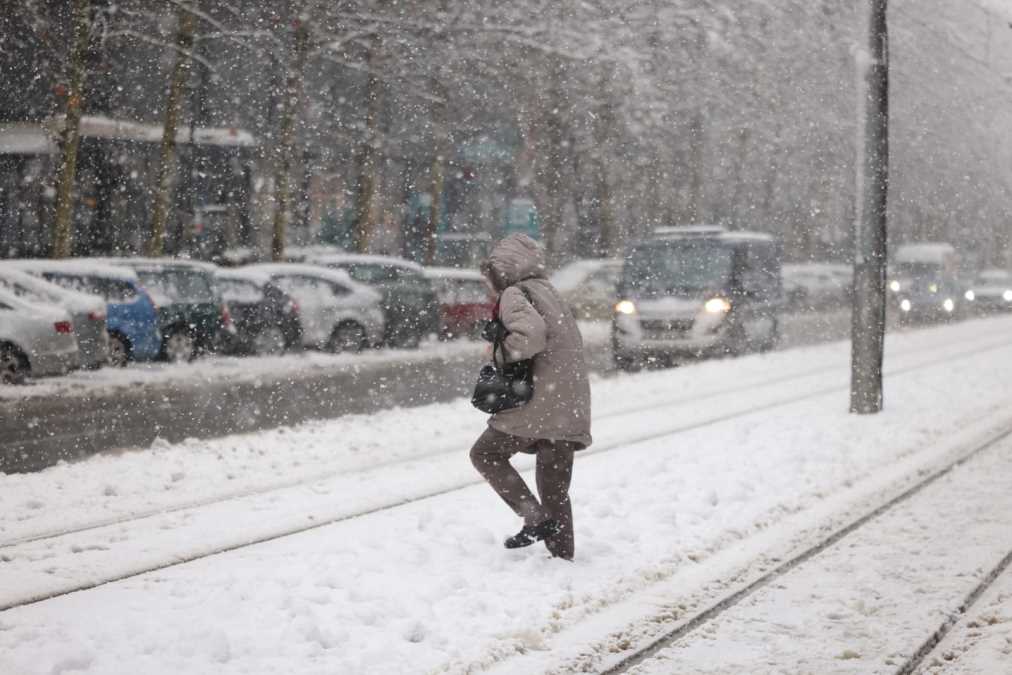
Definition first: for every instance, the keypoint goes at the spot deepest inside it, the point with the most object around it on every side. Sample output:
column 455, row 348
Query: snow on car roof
column 453, row 273
column 63, row 297
column 154, row 263
column 264, row 272
column 815, row 268
column 85, row 267
column 568, row 277
column 363, row 258
column 666, row 232
column 54, row 311
column 924, row 252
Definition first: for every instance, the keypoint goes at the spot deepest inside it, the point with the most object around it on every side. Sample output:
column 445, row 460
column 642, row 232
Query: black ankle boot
column 532, row 533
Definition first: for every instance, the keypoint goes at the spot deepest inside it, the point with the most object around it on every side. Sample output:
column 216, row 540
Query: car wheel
column 180, row 347
column 773, row 339
column 269, row 342
column 409, row 341
column 348, row 337
column 737, row 341
column 13, row 366
column 119, row 350
column 629, row 364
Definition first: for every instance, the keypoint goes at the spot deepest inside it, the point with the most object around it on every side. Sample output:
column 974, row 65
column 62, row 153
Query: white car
column 817, row 285
column 337, row 313
column 87, row 312
column 35, row 339
column 590, row 287
column 991, row 291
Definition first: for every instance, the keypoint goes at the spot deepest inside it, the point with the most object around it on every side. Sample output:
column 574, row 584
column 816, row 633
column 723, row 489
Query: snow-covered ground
column 867, row 605
column 688, row 465
column 982, row 640
column 216, row 368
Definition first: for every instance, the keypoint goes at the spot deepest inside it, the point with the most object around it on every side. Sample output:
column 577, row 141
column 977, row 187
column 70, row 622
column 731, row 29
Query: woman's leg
column 554, row 473
column 491, row 457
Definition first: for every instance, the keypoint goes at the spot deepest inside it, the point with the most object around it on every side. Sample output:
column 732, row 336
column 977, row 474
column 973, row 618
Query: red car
column 465, row 301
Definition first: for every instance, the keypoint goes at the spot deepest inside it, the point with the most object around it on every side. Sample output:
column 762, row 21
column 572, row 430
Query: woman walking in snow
column 555, row 423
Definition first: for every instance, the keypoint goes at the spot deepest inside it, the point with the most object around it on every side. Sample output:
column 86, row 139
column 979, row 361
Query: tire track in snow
column 175, row 560
column 729, row 601
column 681, row 400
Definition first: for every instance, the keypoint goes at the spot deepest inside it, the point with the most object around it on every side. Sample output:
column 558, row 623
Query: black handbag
column 506, row 386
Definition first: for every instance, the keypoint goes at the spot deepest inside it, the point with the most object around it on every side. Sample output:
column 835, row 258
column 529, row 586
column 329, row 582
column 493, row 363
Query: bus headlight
column 626, row 307
column 970, row 295
column 894, row 286
column 905, row 305
column 1007, row 295
column 717, row 306
column 948, row 305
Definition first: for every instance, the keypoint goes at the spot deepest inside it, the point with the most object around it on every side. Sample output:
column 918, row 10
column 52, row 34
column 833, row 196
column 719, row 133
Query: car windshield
column 176, row 285
column 237, row 290
column 678, row 267
column 371, row 274
column 920, row 271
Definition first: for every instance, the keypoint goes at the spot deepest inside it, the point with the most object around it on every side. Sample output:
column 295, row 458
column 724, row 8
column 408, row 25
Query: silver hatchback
column 87, row 312
column 34, row 340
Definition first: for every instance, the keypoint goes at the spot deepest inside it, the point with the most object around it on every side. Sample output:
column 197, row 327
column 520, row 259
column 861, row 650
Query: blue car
column 132, row 317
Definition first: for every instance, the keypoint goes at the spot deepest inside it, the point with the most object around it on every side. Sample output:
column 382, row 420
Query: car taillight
column 226, row 316
column 63, row 327
column 96, row 316
column 293, row 307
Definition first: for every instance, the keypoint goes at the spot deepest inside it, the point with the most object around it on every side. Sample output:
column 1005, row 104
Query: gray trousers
column 491, row 457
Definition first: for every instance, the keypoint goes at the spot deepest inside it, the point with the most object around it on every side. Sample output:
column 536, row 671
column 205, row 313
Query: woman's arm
column 527, row 331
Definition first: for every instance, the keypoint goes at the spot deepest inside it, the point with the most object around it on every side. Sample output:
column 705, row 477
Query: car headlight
column 626, row 307
column 1007, row 295
column 948, row 305
column 933, row 288
column 970, row 295
column 905, row 305
column 894, row 286
column 717, row 306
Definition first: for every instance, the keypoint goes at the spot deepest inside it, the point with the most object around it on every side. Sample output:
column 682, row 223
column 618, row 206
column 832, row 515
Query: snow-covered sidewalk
column 687, row 463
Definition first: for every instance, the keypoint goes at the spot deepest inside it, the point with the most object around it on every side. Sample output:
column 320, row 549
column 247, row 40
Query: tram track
column 719, row 607
column 950, row 355
column 305, row 480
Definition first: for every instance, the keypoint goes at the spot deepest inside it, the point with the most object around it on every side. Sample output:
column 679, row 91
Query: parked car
column 465, row 301
column 991, row 291
column 35, row 340
column 131, row 315
column 590, row 287
column 337, row 314
column 191, row 314
column 817, row 285
column 697, row 291
column 87, row 312
column 410, row 306
column 266, row 318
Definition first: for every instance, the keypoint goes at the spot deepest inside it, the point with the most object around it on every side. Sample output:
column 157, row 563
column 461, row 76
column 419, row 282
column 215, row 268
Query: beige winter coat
column 547, row 333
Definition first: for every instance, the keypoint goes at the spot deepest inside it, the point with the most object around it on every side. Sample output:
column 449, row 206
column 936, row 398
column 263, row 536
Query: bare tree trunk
column 438, row 173
column 70, row 135
column 366, row 160
column 611, row 237
column 286, row 145
column 167, row 157
column 555, row 164
column 868, row 318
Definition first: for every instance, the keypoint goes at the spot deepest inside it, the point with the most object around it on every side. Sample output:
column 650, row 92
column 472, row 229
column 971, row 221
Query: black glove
column 494, row 331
